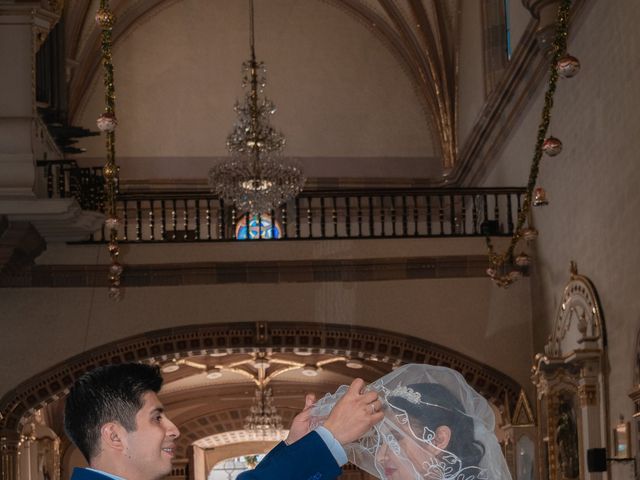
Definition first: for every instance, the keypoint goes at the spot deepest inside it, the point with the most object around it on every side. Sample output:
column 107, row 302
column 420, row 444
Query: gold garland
column 502, row 269
column 107, row 123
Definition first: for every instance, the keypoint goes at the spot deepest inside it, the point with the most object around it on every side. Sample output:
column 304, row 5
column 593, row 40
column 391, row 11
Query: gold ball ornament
column 107, row 122
column 109, row 172
column 552, row 146
column 105, row 19
column 568, row 66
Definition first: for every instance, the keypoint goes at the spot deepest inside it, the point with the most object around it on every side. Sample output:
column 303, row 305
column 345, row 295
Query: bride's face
column 405, row 462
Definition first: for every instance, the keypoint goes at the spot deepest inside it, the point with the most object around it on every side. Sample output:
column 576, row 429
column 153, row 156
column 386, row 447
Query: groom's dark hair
column 112, row 393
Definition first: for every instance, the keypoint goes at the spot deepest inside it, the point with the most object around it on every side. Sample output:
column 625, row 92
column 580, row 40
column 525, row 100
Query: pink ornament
column 107, row 122
column 552, row 146
column 568, row 66
column 491, row 272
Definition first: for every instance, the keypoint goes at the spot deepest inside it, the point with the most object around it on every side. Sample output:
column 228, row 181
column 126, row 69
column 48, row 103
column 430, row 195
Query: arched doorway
column 308, row 357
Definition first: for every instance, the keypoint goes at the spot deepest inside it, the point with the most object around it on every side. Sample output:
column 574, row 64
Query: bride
column 436, row 427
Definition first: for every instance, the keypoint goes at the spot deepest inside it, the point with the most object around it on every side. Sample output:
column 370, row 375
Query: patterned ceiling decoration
column 422, row 34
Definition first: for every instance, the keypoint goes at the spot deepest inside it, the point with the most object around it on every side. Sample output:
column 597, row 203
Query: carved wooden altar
column 571, row 386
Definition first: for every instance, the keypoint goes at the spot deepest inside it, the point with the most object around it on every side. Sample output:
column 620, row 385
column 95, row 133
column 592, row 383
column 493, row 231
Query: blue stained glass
column 266, row 230
column 507, row 23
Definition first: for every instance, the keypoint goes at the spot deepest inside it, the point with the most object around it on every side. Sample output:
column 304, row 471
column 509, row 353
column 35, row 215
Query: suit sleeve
column 307, row 459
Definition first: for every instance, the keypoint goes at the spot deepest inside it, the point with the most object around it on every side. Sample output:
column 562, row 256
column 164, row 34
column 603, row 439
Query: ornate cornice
column 212, row 273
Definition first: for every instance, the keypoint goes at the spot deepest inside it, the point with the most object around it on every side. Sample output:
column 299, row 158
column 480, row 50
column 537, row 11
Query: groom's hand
column 300, row 425
column 354, row 414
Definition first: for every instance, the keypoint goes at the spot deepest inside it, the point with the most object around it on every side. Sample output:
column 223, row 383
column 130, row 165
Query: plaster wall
column 592, row 187
column 468, row 315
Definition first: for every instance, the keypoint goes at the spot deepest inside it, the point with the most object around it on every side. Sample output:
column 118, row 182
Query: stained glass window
column 259, row 227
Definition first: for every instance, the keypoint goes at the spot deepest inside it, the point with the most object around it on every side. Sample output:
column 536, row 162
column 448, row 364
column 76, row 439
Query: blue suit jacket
column 84, row 474
column 307, row 459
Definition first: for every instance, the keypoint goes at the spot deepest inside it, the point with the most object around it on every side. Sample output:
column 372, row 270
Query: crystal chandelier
column 263, row 416
column 256, row 179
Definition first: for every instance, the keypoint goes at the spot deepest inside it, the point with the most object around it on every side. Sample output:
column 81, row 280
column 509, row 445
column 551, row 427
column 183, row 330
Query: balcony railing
column 199, row 216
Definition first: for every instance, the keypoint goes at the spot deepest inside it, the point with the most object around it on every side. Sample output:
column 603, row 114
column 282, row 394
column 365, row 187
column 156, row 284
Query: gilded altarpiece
column 634, row 394
column 571, row 388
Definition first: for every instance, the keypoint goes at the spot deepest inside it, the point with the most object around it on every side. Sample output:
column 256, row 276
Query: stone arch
column 19, row 404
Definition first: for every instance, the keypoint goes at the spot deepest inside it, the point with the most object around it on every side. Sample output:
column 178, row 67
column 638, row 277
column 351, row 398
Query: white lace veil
column 436, row 427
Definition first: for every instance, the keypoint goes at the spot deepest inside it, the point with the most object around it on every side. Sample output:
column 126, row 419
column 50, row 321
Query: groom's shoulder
column 87, row 474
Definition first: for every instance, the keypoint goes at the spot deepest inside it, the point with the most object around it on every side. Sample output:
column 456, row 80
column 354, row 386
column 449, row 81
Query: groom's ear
column 443, row 435
column 111, row 436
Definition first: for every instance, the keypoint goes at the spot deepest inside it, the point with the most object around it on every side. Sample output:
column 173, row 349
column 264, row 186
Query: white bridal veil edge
column 410, row 443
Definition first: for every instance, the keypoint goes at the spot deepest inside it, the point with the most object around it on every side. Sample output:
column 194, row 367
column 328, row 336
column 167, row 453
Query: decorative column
column 9, row 444
column 23, row 28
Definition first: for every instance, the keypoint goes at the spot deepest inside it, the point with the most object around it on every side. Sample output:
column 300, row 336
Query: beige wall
column 467, row 315
column 592, row 186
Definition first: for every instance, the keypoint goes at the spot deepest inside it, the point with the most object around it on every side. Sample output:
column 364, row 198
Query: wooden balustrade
column 200, row 216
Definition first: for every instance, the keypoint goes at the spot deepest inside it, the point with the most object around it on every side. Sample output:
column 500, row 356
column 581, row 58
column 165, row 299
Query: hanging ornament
column 107, row 122
column 529, row 234
column 552, row 146
column 109, row 172
column 112, row 223
column 114, row 249
column 105, row 18
column 514, row 275
column 115, row 269
column 523, row 260
column 115, row 293
column 568, row 66
column 540, row 197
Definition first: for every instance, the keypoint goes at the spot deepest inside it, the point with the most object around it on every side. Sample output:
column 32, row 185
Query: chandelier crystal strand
column 107, row 123
column 256, row 179
column 263, row 416
column 500, row 263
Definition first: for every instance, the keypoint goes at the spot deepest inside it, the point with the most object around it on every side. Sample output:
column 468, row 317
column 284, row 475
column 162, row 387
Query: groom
column 114, row 417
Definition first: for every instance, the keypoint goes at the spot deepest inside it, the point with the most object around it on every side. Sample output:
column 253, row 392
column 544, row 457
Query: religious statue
column 567, row 441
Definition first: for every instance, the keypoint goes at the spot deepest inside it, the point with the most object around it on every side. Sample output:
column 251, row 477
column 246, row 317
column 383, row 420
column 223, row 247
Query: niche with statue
column 571, row 386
